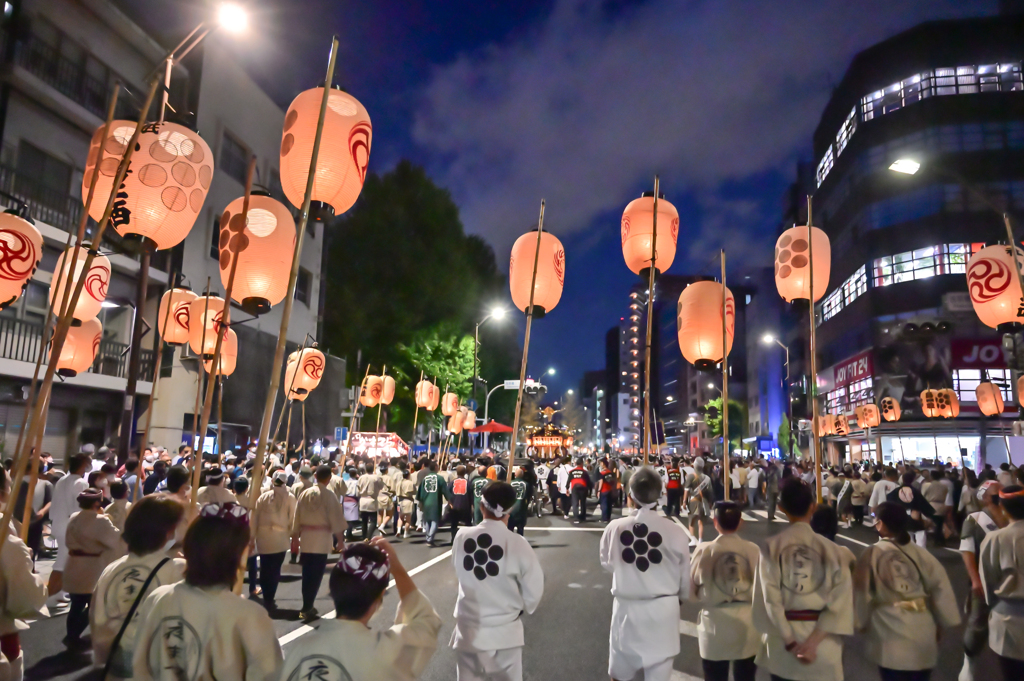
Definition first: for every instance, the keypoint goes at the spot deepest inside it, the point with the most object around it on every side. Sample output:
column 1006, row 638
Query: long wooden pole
column 415, row 412
column 158, row 363
column 200, row 370
column 220, row 419
column 352, row 419
column 282, row 338
column 380, row 405
column 815, row 444
column 650, row 325
column 526, row 348
column 224, row 326
column 726, row 463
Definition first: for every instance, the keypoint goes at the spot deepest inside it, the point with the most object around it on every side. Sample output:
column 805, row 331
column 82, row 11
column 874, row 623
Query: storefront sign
column 978, row 353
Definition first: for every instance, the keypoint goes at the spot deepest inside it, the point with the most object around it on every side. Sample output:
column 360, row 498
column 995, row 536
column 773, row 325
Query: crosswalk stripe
column 748, row 517
column 687, row 628
column 763, row 514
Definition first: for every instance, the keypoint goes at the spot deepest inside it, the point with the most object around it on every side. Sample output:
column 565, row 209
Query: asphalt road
column 567, row 638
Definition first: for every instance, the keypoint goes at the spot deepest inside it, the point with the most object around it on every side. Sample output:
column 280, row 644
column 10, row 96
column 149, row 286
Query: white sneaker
column 967, row 672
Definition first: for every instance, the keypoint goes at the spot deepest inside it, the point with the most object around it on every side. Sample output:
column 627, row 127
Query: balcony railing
column 19, row 340
column 47, row 204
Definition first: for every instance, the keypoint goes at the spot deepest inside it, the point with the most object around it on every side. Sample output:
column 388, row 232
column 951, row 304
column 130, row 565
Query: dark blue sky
column 581, row 103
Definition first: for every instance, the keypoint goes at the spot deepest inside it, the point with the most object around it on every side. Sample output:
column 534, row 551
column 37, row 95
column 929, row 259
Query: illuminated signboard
column 542, row 441
column 378, row 444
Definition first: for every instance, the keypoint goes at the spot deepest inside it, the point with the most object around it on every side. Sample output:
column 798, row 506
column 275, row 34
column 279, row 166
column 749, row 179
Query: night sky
column 581, row 103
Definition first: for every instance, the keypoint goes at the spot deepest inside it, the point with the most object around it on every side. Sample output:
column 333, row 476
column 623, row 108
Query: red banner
column 977, row 353
column 853, row 369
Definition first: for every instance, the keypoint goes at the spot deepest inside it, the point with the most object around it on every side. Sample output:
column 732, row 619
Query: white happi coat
column 215, row 494
column 902, row 595
column 116, row 590
column 1001, row 565
column 204, row 635
column 63, row 506
column 271, row 521
column 801, row 570
column 318, row 516
column 649, row 558
column 347, row 650
column 93, row 543
column 723, row 580
column 118, row 512
column 500, row 578
column 22, row 592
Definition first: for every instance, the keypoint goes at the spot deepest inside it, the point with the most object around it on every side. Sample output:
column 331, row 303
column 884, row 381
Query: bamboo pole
column 220, row 419
column 224, row 326
column 287, row 394
column 303, row 454
column 380, row 405
column 288, row 429
column 352, row 419
column 526, row 348
column 726, row 462
column 415, row 413
column 815, row 444
column 650, row 327
column 275, row 367
column 159, row 356
column 199, row 377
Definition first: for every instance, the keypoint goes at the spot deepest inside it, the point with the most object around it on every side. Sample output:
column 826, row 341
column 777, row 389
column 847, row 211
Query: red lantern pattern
column 699, row 323
column 94, row 292
column 175, row 331
column 21, row 249
column 373, row 388
column 310, row 363
column 550, row 272
column 228, row 355
column 204, row 323
column 264, row 245
column 637, row 227
column 890, row 409
column 792, row 264
column 993, row 286
column 449, row 404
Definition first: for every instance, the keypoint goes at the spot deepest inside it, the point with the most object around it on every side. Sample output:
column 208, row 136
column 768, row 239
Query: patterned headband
column 1003, row 494
column 983, row 489
column 234, row 513
column 364, row 567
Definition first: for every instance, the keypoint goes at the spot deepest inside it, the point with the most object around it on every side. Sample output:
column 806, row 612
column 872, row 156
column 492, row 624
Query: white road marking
column 564, row 529
column 683, row 676
column 680, row 523
column 687, row 628
column 305, row 628
column 763, row 514
column 855, row 541
column 749, row 518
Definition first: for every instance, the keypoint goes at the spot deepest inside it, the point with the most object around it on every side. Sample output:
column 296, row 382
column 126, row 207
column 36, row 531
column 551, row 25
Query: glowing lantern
column 699, row 318
column 930, row 403
column 344, row 149
column 388, row 391
column 228, row 355
column 435, row 397
column 868, row 416
column 550, row 272
column 993, row 285
column 1020, row 390
column 824, row 425
column 469, row 419
column 80, row 348
column 204, row 321
column 304, row 370
column 455, row 423
column 373, row 387
column 21, row 248
column 890, row 409
column 264, row 245
column 424, row 393
column 69, row 267
column 449, row 404
column 840, row 425
column 175, row 331
column 949, row 405
column 164, row 191
column 990, row 398
column 637, row 227
column 792, row 264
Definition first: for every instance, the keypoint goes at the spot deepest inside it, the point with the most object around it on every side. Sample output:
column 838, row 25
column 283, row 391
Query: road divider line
column 305, row 628
column 855, row 541
column 564, row 529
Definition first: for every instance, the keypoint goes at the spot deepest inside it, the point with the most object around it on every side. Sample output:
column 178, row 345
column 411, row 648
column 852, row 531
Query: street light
column 907, row 166
column 232, row 18
column 551, row 371
column 569, row 391
column 496, row 313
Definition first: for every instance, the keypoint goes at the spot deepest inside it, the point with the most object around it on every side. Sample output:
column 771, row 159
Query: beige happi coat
column 318, row 516
column 800, row 570
column 1001, row 564
column 722, row 574
column 93, row 543
column 271, row 521
column 22, row 592
column 902, row 594
column 301, row 485
column 204, row 635
column 215, row 494
column 348, row 649
column 370, row 486
column 118, row 512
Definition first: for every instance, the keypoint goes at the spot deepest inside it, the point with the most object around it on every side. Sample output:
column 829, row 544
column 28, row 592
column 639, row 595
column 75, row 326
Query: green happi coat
column 433, row 491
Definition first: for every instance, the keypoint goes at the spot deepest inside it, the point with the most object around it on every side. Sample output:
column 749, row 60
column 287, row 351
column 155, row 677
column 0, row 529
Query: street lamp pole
column 497, row 313
column 768, row 338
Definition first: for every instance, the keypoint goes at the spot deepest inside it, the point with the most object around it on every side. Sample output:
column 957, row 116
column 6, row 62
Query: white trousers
column 627, row 667
column 493, row 665
column 921, row 538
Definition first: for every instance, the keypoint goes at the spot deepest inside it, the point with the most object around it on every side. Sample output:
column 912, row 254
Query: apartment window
column 966, row 380
column 42, row 177
column 304, row 285
column 825, row 165
column 846, row 131
column 234, row 157
column 921, row 264
column 851, row 289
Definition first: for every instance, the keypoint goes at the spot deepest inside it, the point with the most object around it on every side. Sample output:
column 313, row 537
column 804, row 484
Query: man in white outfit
column 64, row 505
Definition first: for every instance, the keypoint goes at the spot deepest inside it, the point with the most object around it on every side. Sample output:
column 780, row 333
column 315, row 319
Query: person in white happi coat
column 118, row 509
column 649, row 558
column 698, row 495
column 803, row 596
column 500, row 578
column 346, row 647
column 903, row 600
column 93, row 543
column 987, row 517
column 1002, row 574
column 319, row 522
column 271, row 526
column 215, row 492
column 149, row 534
column 63, row 506
column 22, row 596
column 723, row 581
column 200, row 628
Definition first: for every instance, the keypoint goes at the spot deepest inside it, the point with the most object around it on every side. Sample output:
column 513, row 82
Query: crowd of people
column 157, row 580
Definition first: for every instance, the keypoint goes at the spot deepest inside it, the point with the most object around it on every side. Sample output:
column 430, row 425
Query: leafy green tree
column 737, row 417
column 784, row 437
column 441, row 351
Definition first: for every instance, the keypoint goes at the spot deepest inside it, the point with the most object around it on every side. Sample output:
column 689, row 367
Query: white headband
column 642, row 504
column 497, row 512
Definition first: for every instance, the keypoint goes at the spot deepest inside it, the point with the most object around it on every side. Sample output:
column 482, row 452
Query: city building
column 897, row 317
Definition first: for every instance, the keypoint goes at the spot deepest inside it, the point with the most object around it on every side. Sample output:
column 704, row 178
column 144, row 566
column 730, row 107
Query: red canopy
column 492, row 427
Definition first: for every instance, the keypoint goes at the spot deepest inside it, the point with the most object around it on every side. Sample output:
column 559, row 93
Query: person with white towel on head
column 649, row 558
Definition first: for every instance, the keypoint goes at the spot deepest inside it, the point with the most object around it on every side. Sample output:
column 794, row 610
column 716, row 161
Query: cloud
column 583, row 109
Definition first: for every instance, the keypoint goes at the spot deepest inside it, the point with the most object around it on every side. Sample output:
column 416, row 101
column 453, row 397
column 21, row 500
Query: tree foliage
column 443, row 353
column 737, row 417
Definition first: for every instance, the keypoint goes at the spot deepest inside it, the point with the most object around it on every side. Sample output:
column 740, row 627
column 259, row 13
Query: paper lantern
column 435, row 397
column 792, row 264
column 344, row 149
column 930, row 405
column 840, row 425
column 455, row 423
column 699, row 323
column 990, row 398
column 449, row 404
column 69, row 269
column 175, row 331
column 1020, row 390
column 824, row 425
column 422, row 394
column 868, row 416
column 993, row 285
column 550, row 272
column 228, row 355
column 890, row 409
column 373, row 387
column 637, row 227
column 166, row 185
column 204, row 321
column 80, row 348
column 469, row 419
column 388, row 390
column 264, row 246
column 949, row 404
column 21, row 248
column 304, row 370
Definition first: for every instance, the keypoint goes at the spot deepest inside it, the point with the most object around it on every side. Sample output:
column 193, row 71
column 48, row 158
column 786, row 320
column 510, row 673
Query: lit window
column 921, row 264
column 966, row 380
column 825, row 165
column 851, row 289
column 845, row 132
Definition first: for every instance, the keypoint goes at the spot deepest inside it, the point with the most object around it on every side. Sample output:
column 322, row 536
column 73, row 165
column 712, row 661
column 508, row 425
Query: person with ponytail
column 903, row 600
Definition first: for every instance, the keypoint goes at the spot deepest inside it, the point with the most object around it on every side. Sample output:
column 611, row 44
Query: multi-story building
column 897, row 317
column 61, row 59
